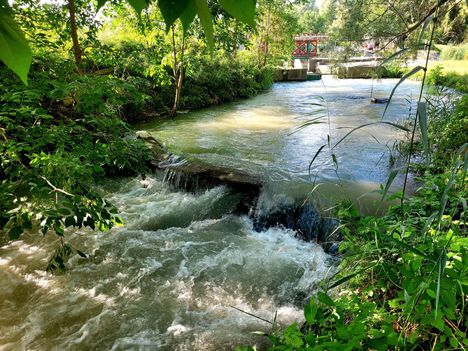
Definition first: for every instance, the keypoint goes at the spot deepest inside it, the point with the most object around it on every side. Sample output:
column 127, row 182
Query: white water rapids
column 145, row 288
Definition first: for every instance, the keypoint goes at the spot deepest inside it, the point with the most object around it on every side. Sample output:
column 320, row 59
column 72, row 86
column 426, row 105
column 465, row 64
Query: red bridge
column 307, row 45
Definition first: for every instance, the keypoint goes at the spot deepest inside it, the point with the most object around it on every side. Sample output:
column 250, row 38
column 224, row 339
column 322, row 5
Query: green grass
column 450, row 73
column 453, row 52
column 451, row 66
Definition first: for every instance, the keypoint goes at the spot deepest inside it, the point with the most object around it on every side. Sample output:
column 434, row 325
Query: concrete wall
column 291, row 74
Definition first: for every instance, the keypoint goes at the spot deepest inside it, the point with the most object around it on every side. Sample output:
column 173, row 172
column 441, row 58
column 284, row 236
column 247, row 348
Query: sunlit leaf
column 14, row 49
column 423, row 29
column 310, row 311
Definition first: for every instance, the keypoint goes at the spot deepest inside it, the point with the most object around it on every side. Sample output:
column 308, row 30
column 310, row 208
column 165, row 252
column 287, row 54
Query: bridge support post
column 312, row 65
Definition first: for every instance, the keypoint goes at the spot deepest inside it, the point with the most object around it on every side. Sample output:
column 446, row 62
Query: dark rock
column 379, row 100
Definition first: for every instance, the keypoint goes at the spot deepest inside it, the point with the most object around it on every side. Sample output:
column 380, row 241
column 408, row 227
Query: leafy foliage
column 58, row 138
column 14, row 49
column 67, row 129
column 16, row 54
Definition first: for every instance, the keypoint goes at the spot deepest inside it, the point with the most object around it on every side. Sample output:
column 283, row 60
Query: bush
column 451, row 133
column 459, row 52
column 214, row 81
column 437, row 76
column 58, row 137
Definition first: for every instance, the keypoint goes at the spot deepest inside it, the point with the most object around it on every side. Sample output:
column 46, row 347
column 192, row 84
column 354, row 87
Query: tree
column 276, row 27
column 74, row 33
column 388, row 21
column 16, row 54
column 178, row 51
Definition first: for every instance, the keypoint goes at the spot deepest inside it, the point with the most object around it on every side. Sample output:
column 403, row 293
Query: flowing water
column 260, row 136
column 171, row 277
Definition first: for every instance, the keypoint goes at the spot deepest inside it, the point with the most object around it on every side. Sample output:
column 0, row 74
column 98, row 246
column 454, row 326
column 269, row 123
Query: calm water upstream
column 168, row 279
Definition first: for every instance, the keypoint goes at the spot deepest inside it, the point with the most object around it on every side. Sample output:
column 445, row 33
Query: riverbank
column 443, row 73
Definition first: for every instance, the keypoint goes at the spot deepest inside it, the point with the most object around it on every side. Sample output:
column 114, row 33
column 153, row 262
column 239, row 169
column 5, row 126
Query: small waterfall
column 265, row 207
column 180, row 180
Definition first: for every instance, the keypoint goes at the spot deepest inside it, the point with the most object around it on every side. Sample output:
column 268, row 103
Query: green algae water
column 175, row 276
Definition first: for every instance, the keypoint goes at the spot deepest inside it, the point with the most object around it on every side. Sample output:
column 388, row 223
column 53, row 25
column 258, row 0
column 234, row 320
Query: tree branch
column 55, row 189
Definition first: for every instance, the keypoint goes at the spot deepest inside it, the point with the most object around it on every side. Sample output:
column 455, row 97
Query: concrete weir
column 194, row 176
column 291, row 75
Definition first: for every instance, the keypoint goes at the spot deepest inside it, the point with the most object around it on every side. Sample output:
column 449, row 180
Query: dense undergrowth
column 402, row 282
column 67, row 129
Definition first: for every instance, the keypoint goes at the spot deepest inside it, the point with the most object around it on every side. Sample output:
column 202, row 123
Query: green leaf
column 243, row 10
column 310, row 311
column 423, row 29
column 422, row 114
column 14, row 49
column 188, row 15
column 402, row 79
column 138, row 5
column 442, row 262
column 70, row 221
column 335, row 160
column 391, row 178
column 59, row 229
column 391, row 57
column 438, row 323
column 411, row 248
column 81, row 253
column 206, row 21
column 315, row 156
column 349, row 276
column 293, row 337
column 370, row 124
column 325, row 299
column 172, row 10
column 308, row 123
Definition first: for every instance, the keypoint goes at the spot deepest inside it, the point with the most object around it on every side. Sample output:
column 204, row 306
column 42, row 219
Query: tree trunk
column 74, row 34
column 178, row 70
column 267, row 39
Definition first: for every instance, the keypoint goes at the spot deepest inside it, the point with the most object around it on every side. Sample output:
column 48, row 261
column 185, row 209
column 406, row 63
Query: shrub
column 450, row 52
column 58, row 137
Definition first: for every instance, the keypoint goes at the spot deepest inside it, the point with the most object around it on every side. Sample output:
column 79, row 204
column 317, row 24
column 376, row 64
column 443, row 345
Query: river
column 175, row 276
